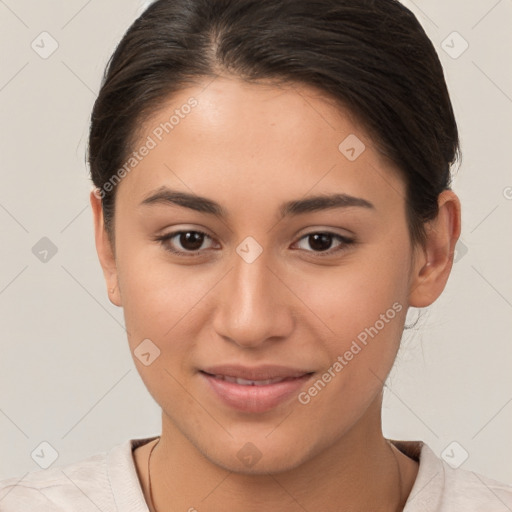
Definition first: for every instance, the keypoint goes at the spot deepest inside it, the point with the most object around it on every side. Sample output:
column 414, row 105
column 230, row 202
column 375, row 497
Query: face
column 304, row 300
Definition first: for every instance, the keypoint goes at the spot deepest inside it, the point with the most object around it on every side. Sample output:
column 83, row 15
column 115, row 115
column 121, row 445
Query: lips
column 249, row 382
column 256, row 389
column 258, row 373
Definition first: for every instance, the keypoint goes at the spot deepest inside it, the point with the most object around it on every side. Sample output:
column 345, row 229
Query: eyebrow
column 165, row 195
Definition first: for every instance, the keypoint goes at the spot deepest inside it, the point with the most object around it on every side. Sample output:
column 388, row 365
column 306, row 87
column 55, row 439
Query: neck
column 360, row 472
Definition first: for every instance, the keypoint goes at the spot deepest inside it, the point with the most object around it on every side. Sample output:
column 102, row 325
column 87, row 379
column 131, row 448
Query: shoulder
column 83, row 485
column 471, row 491
column 440, row 487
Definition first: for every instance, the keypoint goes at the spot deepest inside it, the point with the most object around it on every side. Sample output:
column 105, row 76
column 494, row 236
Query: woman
column 272, row 193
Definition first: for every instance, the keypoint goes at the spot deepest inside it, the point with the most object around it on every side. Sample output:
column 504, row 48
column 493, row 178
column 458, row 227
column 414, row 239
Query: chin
column 257, row 458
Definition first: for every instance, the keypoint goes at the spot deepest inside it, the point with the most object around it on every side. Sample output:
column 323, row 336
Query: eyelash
column 191, row 254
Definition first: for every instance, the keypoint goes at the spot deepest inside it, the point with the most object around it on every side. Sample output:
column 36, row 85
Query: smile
column 253, row 390
column 245, row 382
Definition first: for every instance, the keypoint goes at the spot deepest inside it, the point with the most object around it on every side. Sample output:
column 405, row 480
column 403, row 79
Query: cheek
column 161, row 301
column 157, row 298
column 365, row 314
column 352, row 296
column 158, row 302
column 362, row 308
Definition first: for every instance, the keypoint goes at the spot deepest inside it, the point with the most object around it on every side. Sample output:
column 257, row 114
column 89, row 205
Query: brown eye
column 184, row 242
column 191, row 240
column 321, row 242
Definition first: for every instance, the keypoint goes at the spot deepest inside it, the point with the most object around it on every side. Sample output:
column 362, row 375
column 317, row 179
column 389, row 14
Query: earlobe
column 104, row 249
column 434, row 262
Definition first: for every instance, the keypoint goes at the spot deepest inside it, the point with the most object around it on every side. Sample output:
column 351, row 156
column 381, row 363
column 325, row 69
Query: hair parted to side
column 372, row 57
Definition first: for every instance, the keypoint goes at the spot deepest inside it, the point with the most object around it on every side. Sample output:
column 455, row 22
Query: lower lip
column 255, row 398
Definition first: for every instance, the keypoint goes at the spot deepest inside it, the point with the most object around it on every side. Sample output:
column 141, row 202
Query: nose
column 254, row 306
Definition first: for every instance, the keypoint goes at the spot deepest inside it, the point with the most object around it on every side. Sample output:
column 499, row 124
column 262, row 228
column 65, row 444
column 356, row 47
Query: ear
column 433, row 262
column 104, row 249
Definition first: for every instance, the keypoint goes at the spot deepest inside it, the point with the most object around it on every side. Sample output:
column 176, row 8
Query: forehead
column 233, row 137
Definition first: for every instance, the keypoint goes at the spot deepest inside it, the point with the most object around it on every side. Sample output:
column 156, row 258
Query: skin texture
column 251, row 147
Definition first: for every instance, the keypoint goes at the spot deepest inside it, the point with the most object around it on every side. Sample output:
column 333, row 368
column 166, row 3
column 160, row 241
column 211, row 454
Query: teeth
column 245, row 382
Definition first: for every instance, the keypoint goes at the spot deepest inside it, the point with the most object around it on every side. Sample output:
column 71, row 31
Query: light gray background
column 66, row 374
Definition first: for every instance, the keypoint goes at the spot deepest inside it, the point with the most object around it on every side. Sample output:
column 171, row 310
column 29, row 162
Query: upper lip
column 263, row 372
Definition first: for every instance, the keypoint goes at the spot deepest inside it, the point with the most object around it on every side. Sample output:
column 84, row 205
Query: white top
column 108, row 482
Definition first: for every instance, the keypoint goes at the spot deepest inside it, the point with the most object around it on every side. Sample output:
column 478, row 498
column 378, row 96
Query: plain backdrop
column 66, row 375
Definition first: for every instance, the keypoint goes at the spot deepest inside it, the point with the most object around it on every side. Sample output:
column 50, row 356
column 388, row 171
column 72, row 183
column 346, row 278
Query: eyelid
column 169, row 236
column 345, row 243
